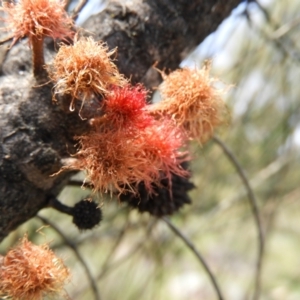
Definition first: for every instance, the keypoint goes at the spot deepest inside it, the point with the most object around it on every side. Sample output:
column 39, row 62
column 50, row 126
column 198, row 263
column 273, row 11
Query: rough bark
column 159, row 31
column 36, row 134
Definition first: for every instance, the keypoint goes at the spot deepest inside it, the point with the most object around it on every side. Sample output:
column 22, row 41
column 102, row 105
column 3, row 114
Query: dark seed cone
column 86, row 214
column 164, row 201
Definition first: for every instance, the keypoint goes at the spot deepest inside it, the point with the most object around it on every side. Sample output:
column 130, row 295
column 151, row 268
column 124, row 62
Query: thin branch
column 79, row 183
column 255, row 211
column 76, row 183
column 130, row 254
column 198, row 255
column 116, row 244
column 38, row 59
column 259, row 179
column 123, row 259
column 7, row 39
column 81, row 4
column 78, row 255
column 67, row 5
column 285, row 28
column 264, row 11
column 276, row 37
column 54, row 203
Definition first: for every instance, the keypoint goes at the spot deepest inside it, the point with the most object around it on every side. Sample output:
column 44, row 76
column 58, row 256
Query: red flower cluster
column 133, row 142
column 127, row 105
column 127, row 145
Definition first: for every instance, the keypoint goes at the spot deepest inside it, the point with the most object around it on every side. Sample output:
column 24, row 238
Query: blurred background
column 135, row 256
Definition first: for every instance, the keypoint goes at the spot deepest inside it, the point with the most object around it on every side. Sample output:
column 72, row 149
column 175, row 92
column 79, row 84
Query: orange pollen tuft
column 85, row 69
column 31, row 272
column 191, row 99
column 38, row 18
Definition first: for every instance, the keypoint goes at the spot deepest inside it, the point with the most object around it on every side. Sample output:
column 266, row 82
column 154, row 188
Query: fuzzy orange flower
column 84, row 69
column 118, row 159
column 110, row 162
column 31, row 272
column 38, row 18
column 190, row 98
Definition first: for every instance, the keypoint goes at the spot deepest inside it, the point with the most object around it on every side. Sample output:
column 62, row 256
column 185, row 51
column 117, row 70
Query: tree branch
column 73, row 247
column 191, row 246
column 255, row 211
column 156, row 31
column 36, row 134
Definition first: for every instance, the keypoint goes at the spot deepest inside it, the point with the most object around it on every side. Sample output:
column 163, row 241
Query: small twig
column 123, row 259
column 7, row 39
column 81, row 4
column 198, row 255
column 264, row 11
column 54, row 203
column 75, row 183
column 259, row 179
column 255, row 211
column 79, row 183
column 276, row 40
column 285, row 28
column 116, row 244
column 67, row 5
column 126, row 257
column 78, row 255
column 38, row 59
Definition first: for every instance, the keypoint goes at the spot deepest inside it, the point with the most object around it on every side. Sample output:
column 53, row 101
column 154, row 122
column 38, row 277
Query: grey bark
column 36, row 134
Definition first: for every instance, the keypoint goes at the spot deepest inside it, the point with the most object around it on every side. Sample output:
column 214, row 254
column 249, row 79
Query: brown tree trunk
column 36, row 134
